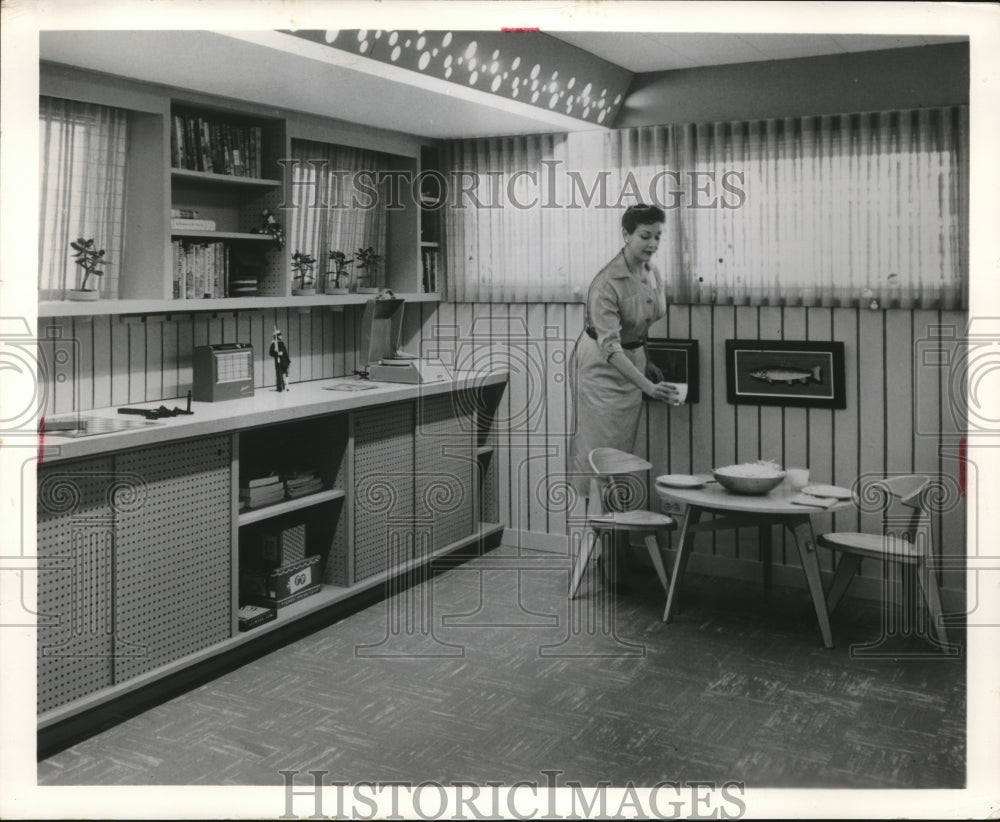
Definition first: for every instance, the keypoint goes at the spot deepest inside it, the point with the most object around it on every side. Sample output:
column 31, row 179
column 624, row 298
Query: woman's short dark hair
column 641, row 214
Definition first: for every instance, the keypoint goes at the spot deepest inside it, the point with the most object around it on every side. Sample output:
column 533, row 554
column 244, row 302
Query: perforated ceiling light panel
column 526, row 66
column 172, row 568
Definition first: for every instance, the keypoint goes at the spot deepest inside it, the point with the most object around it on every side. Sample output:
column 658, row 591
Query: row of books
column 431, row 262
column 219, row 147
column 201, row 269
column 261, row 491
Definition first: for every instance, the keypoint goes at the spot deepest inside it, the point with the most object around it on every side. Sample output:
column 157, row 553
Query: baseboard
column 865, row 587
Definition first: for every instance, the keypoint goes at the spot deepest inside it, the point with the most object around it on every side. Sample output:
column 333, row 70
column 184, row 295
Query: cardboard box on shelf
column 290, row 583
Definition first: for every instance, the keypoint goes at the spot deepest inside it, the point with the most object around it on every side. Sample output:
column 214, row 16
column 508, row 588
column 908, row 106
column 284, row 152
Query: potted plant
column 90, row 260
column 368, row 262
column 302, row 265
column 338, row 281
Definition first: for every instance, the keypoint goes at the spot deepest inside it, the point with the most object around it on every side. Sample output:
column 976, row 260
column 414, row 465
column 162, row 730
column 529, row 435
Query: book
column 192, row 223
column 260, row 482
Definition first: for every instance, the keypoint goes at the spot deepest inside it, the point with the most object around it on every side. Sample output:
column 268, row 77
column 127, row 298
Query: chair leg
column 654, row 554
column 846, row 569
column 586, row 550
column 925, row 577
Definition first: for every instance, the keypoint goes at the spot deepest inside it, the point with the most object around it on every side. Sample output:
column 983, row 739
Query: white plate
column 680, row 481
column 827, row 491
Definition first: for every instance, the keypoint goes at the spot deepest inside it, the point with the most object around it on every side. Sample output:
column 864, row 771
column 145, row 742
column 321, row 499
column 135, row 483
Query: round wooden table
column 761, row 512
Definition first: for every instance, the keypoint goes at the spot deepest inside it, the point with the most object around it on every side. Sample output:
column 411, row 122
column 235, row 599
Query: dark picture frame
column 785, row 372
column 678, row 360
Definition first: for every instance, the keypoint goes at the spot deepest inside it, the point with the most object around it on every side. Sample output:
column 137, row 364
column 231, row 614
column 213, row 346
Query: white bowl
column 736, row 479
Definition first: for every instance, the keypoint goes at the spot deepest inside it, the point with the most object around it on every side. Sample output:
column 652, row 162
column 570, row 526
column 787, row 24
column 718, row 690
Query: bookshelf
column 181, row 161
column 431, row 228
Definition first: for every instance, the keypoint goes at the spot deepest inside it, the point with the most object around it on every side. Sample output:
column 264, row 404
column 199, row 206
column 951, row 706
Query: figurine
column 279, row 352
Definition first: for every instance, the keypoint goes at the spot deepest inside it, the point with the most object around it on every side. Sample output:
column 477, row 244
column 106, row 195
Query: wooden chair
column 908, row 547
column 608, row 513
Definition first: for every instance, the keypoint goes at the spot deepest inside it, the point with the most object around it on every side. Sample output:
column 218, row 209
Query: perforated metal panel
column 489, row 503
column 173, row 553
column 75, row 545
column 273, row 283
column 383, row 486
column 445, row 470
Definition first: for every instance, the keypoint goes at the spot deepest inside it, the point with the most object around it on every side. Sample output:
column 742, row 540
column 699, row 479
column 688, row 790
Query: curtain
column 340, row 196
column 857, row 209
column 83, row 151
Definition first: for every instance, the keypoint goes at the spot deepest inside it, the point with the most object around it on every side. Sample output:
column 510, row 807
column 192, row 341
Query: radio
column 223, row 372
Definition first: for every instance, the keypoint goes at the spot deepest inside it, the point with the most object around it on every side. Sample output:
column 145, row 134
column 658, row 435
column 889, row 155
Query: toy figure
column 279, row 352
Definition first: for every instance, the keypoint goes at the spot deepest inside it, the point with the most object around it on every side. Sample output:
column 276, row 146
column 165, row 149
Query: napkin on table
column 809, row 499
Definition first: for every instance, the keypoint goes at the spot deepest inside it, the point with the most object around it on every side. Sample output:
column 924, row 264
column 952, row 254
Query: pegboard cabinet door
column 383, row 489
column 75, row 527
column 444, row 480
column 173, row 558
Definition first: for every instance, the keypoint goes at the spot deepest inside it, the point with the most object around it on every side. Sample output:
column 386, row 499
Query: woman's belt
column 628, row 346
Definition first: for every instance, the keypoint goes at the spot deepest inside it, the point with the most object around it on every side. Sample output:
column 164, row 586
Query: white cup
column 797, row 478
column 681, row 390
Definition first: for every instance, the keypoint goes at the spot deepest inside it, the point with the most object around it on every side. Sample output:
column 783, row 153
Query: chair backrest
column 903, row 490
column 606, row 462
column 614, row 486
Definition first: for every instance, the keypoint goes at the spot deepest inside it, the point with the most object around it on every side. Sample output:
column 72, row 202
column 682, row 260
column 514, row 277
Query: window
column 83, row 150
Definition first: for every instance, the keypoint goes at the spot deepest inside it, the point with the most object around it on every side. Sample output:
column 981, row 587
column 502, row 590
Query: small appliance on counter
column 223, row 372
column 381, row 333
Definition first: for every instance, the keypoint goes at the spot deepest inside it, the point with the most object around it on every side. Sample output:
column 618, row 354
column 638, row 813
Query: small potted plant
column 90, row 260
column 338, row 281
column 302, row 265
column 368, row 262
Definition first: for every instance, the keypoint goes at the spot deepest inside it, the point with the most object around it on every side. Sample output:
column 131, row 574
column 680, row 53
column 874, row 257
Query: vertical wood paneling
column 500, row 325
column 137, row 360
column 821, row 444
column 928, row 376
column 558, row 348
column 185, row 337
column 898, row 403
column 168, row 378
column 677, row 445
column 119, row 361
column 535, row 470
column 771, row 325
column 83, row 358
column 795, row 426
column 871, row 403
column 102, row 362
column 724, row 415
column 520, row 387
column 951, row 523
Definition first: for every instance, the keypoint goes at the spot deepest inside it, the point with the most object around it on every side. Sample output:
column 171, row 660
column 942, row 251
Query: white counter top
column 265, row 407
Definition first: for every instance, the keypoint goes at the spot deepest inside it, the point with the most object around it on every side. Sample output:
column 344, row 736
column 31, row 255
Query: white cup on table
column 797, row 478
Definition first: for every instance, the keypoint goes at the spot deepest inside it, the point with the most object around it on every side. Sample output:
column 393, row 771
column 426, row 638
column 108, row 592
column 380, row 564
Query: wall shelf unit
column 178, row 142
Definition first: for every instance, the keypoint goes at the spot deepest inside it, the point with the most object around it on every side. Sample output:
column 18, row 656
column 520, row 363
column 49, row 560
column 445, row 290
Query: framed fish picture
column 785, row 372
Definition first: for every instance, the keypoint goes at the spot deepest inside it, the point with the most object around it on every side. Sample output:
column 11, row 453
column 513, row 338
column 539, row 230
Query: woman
column 609, row 368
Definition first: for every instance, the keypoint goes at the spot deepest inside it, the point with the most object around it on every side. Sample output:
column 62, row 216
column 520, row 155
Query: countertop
column 265, row 407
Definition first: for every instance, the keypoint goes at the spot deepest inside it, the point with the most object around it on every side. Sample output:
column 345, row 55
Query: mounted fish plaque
column 785, row 372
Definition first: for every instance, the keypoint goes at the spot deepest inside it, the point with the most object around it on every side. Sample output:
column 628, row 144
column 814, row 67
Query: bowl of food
column 751, row 478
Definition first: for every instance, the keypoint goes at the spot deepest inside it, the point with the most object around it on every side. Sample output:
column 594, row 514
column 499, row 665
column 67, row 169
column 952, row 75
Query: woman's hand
column 664, row 392
column 653, row 374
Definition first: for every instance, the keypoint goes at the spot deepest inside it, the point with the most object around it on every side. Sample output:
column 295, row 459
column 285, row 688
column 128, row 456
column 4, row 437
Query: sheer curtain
column 335, row 208
column 866, row 209
column 83, row 150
